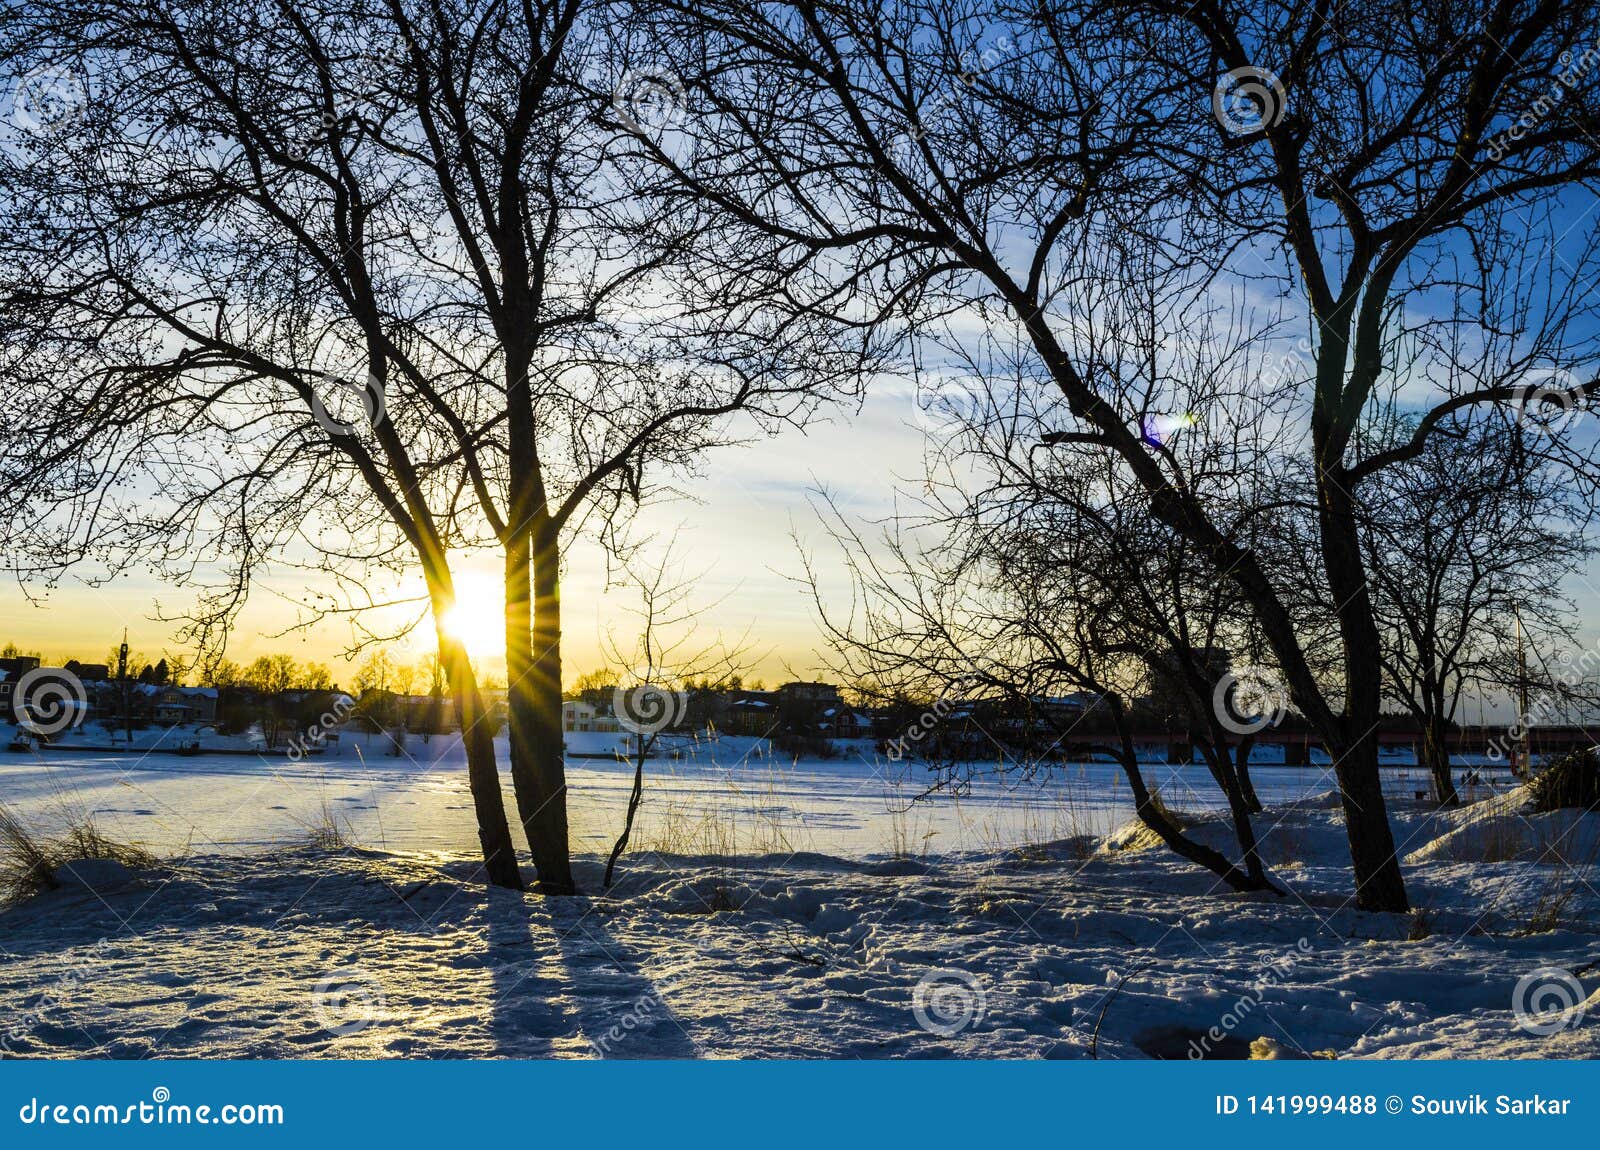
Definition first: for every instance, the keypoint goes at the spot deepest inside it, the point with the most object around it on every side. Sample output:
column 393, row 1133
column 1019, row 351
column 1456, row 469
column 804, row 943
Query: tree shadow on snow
column 622, row 1009
column 528, row 1015
column 570, row 979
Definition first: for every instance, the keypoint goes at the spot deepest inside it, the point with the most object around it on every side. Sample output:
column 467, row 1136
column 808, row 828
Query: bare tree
column 1040, row 598
column 1467, row 561
column 929, row 162
column 655, row 665
column 361, row 285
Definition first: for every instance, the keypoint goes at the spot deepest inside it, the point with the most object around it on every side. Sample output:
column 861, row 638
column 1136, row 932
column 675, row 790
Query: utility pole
column 1525, row 720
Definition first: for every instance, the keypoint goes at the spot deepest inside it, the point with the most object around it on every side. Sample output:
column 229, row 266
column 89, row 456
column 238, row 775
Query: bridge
column 1495, row 742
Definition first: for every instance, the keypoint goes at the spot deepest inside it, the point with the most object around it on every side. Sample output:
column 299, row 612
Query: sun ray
column 478, row 618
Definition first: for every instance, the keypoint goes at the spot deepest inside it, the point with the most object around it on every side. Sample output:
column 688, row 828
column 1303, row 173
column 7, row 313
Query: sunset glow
column 478, row 617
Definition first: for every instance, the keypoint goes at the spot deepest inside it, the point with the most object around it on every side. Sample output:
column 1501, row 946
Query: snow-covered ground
column 781, row 909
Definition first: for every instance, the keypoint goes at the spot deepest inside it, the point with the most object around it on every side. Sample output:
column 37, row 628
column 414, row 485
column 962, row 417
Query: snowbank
column 1506, row 829
column 1046, row 951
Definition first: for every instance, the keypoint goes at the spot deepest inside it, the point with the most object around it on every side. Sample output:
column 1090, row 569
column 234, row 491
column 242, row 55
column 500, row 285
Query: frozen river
column 723, row 796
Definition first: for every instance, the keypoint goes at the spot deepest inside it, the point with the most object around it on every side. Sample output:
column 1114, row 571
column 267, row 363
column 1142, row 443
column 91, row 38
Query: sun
column 478, row 618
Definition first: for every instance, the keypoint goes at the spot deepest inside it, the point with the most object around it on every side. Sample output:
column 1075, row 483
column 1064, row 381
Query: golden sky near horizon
column 735, row 533
column 736, row 527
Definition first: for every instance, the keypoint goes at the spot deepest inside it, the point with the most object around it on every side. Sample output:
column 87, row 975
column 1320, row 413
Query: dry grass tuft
column 327, row 833
column 29, row 859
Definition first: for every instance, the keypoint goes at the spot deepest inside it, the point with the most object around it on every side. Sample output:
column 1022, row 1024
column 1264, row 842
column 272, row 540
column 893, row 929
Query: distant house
column 429, row 713
column 12, row 670
column 1064, row 710
column 584, row 715
column 809, row 706
column 822, row 694
column 175, row 705
column 843, row 722
column 750, row 713
column 18, row 666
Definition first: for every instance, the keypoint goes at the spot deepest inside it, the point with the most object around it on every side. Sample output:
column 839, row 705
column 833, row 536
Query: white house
column 578, row 715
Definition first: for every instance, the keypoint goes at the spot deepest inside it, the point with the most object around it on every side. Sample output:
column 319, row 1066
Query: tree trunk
column 483, row 776
column 1379, row 883
column 1220, row 763
column 634, row 798
column 1241, row 805
column 1152, row 816
column 1436, row 758
column 519, row 669
column 533, row 669
column 1241, row 767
